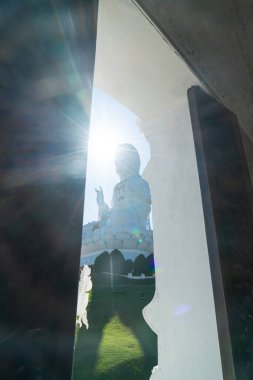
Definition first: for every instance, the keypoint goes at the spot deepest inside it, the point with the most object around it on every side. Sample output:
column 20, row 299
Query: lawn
column 118, row 345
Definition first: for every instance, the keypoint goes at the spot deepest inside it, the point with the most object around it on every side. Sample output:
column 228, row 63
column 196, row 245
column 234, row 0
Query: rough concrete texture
column 214, row 37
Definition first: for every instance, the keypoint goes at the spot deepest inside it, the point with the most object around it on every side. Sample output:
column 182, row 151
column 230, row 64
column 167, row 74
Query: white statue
column 85, row 286
column 125, row 225
column 131, row 202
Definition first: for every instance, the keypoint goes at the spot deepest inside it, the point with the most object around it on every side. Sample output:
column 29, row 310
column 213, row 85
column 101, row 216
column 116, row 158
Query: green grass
column 118, row 345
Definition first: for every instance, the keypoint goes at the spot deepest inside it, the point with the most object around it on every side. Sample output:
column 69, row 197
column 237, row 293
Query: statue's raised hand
column 100, row 196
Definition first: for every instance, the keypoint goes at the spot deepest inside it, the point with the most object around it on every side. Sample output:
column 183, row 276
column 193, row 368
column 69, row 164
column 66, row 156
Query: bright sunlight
column 111, row 124
column 102, row 145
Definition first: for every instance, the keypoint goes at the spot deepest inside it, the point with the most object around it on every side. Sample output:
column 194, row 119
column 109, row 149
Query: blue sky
column 111, row 123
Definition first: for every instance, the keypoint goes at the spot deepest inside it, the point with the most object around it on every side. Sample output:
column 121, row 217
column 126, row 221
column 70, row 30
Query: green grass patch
column 118, row 345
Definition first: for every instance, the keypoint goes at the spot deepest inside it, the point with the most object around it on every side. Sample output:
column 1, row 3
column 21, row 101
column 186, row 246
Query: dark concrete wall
column 227, row 205
column 47, row 60
column 214, row 37
column 248, row 146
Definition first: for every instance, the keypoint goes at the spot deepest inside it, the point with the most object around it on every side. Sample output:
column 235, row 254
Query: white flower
column 85, row 286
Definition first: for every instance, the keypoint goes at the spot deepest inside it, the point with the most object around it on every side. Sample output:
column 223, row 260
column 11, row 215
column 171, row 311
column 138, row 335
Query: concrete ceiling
column 134, row 64
column 215, row 38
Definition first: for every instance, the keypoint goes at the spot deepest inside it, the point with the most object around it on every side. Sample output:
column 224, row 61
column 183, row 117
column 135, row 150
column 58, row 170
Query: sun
column 102, row 146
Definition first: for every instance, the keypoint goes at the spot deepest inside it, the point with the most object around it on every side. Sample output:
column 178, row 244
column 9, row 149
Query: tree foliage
column 140, row 265
column 150, row 265
column 118, row 263
column 102, row 262
column 129, row 266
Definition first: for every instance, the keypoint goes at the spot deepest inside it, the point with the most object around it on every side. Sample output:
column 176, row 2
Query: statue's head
column 127, row 161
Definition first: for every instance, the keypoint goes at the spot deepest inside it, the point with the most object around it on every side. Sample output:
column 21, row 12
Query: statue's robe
column 131, row 203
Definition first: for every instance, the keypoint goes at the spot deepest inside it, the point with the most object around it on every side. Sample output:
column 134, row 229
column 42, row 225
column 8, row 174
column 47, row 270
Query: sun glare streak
column 110, row 124
column 102, row 146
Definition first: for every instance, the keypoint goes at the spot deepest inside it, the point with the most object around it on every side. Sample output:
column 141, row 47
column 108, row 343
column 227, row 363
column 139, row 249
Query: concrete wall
column 182, row 312
column 214, row 37
column 137, row 67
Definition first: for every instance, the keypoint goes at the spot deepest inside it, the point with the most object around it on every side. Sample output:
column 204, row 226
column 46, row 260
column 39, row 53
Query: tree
column 129, row 266
column 102, row 262
column 118, row 263
column 150, row 265
column 140, row 265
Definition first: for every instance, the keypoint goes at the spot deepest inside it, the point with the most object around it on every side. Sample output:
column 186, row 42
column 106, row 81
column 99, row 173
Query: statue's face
column 126, row 162
column 122, row 168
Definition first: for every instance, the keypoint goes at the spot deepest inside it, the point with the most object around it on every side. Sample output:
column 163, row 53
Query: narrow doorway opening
column 144, row 329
